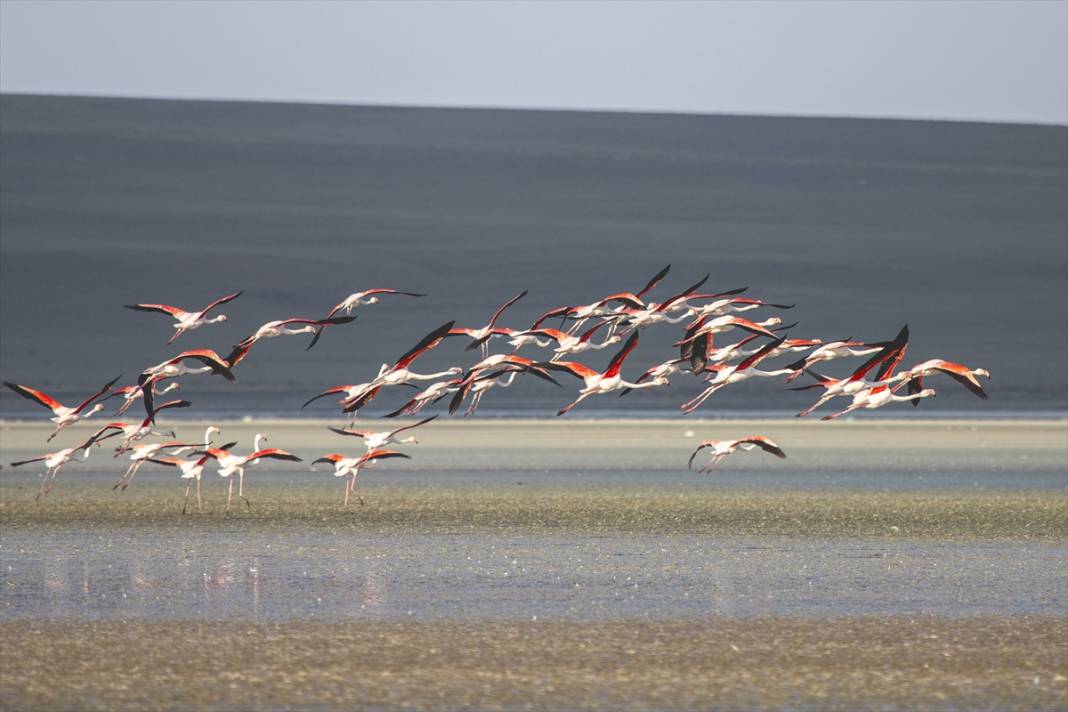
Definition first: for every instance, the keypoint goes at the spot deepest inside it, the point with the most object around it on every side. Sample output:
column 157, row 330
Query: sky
column 985, row 61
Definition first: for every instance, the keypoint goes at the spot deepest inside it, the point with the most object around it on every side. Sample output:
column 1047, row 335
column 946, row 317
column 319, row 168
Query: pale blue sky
column 991, row 61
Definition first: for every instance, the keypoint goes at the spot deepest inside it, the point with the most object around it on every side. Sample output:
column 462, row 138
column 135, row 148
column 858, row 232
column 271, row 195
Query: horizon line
column 541, row 109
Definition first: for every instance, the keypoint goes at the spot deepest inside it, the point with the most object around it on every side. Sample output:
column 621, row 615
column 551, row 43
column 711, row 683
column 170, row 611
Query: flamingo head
column 455, row 370
column 95, row 409
column 981, row 372
column 614, row 339
column 409, row 439
column 662, row 381
column 925, row 393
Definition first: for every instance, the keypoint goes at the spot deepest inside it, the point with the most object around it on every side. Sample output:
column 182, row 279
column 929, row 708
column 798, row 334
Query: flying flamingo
column 600, row 307
column 186, row 320
column 365, row 299
column 477, row 381
column 349, row 467
column 694, row 346
column 398, row 373
column 434, row 392
column 191, row 470
column 596, row 383
column 726, row 375
column 54, row 461
column 173, row 367
column 230, row 465
column 958, row 372
column 886, row 358
column 569, row 343
column 482, row 335
column 722, row 448
column 281, row 327
column 375, row 440
column 140, row 454
column 132, row 432
column 732, row 304
column 130, row 394
column 63, row 415
column 841, row 349
column 877, row 397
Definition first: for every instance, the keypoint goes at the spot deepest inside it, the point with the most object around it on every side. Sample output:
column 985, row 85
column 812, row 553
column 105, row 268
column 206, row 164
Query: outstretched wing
column 273, row 453
column 617, row 361
column 702, row 446
column 161, row 308
column 43, row 398
column 222, row 300
column 654, row 281
column 96, row 395
column 425, row 344
column 764, row 444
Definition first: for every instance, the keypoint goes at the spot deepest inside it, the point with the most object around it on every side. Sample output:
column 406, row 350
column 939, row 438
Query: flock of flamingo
column 616, row 318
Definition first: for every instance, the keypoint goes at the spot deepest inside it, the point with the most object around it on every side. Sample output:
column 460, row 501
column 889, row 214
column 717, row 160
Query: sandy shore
column 986, row 663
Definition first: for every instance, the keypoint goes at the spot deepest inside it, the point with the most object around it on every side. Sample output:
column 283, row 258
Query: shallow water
column 271, row 577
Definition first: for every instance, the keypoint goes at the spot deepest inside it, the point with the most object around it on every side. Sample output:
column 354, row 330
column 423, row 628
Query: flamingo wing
column 756, row 358
column 702, row 446
column 208, row 357
column 683, row 294
column 221, row 300
column 96, row 395
column 35, row 395
column 962, row 375
column 425, row 344
column 161, row 308
column 327, row 392
column 616, row 363
column 41, row 458
column 764, row 444
column 381, row 455
column 273, row 453
column 424, row 421
column 573, row 367
column 653, row 282
column 510, row 302
column 353, row 433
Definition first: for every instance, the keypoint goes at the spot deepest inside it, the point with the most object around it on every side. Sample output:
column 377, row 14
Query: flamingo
column 187, row 320
column 482, row 335
column 140, row 454
column 63, row 415
column 54, row 461
column 191, row 470
column 834, row 350
column 365, row 299
column 230, row 465
column 958, row 372
column 722, row 448
column 375, row 440
column 726, row 375
column 694, row 346
column 569, row 343
column 349, row 467
column 399, row 373
column 654, row 313
column 434, row 392
column 877, row 397
column 132, row 432
column 886, row 358
column 596, row 383
column 477, row 381
column 174, row 367
column 599, row 308
column 281, row 327
column 721, row 307
column 130, row 394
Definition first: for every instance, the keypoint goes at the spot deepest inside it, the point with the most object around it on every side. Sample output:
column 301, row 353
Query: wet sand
column 532, row 564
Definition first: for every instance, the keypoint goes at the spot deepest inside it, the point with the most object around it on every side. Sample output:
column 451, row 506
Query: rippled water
column 272, row 577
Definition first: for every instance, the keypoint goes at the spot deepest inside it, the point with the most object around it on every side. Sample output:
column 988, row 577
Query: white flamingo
column 142, row 453
column 63, row 415
column 187, row 320
column 349, row 467
column 54, row 461
column 598, row 383
column 722, row 448
column 373, row 440
column 725, row 375
column 230, row 465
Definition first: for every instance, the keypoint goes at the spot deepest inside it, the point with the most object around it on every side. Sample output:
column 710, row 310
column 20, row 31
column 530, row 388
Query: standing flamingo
column 63, row 415
column 230, row 464
column 186, row 320
column 191, row 470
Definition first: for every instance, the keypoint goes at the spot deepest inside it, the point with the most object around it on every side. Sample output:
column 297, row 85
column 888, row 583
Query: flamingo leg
column 185, row 502
column 229, row 493
column 692, row 405
column 200, row 504
column 575, row 402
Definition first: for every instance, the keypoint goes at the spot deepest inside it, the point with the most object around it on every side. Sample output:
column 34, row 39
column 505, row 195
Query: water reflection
column 268, row 578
